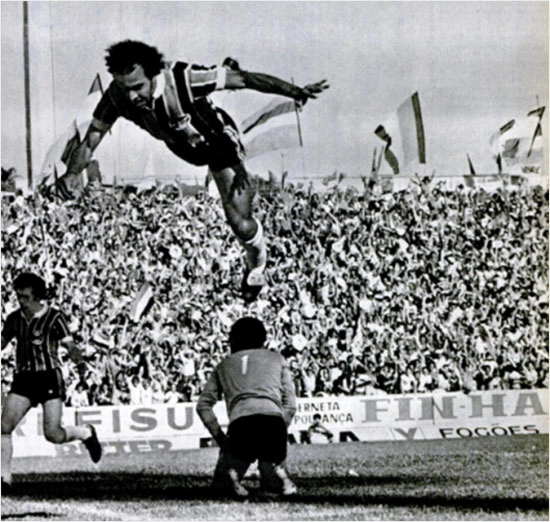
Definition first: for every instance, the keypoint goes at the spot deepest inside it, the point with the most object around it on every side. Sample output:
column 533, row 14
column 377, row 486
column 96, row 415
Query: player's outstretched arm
column 237, row 79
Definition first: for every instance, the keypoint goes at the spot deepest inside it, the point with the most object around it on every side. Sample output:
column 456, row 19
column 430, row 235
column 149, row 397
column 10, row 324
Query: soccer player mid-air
column 39, row 330
column 260, row 399
column 170, row 100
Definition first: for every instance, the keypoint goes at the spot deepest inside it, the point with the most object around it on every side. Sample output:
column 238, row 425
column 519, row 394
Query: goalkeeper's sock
column 7, row 452
column 289, row 488
column 235, row 483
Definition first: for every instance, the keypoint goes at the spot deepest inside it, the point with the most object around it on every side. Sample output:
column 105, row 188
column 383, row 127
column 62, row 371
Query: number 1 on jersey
column 244, row 364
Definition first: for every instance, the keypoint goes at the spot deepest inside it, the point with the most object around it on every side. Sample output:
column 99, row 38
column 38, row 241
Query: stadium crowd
column 419, row 290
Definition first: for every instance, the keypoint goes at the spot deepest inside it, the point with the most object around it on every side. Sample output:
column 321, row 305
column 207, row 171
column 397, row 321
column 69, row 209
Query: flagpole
column 52, row 60
column 27, row 91
column 115, row 168
column 299, row 125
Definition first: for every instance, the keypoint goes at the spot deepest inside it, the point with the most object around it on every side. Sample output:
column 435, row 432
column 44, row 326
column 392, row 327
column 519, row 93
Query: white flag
column 519, row 144
column 403, row 134
column 273, row 127
column 60, row 152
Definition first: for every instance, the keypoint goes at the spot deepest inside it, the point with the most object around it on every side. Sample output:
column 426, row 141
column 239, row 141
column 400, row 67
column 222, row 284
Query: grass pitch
column 491, row 478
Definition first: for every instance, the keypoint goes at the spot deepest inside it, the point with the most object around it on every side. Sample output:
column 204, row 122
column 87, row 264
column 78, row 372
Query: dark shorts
column 218, row 156
column 262, row 437
column 39, row 387
column 223, row 149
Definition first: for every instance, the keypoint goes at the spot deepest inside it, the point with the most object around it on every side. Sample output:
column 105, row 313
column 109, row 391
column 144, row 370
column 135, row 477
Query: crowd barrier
column 139, row 429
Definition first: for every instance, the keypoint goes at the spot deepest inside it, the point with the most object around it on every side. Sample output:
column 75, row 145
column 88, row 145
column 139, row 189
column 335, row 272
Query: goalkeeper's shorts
column 261, row 437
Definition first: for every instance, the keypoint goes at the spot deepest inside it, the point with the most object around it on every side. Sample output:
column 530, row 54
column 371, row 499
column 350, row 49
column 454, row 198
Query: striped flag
column 141, row 302
column 60, row 152
column 517, row 144
column 403, row 135
column 273, row 127
column 538, row 113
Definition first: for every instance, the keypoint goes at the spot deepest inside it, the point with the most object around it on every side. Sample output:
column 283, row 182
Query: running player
column 170, row 100
column 39, row 331
column 259, row 394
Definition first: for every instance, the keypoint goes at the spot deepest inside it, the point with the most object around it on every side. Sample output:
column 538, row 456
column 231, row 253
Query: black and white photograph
column 275, row 260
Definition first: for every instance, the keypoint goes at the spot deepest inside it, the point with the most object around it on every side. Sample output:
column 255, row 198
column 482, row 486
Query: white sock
column 7, row 452
column 77, row 433
column 281, row 472
column 256, row 251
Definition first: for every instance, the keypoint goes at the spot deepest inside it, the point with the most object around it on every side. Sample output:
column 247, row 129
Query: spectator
column 79, row 396
column 317, row 427
column 441, row 279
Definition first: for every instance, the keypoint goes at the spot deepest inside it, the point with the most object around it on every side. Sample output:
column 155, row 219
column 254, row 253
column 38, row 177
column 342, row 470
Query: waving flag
column 518, row 144
column 403, row 135
column 537, row 113
column 273, row 127
column 141, row 302
column 60, row 152
column 471, row 165
column 469, row 178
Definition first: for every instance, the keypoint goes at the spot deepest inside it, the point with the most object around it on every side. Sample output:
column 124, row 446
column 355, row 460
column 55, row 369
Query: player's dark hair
column 247, row 333
column 30, row 280
column 123, row 56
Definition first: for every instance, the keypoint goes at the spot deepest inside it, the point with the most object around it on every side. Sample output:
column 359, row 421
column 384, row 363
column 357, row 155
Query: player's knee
column 55, row 435
column 244, row 228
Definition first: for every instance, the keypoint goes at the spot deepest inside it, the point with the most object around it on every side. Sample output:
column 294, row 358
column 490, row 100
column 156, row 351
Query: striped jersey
column 256, row 381
column 38, row 339
column 193, row 83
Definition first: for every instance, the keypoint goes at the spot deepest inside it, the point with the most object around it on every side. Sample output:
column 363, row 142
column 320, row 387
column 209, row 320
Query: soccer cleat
column 236, row 486
column 252, row 284
column 93, row 445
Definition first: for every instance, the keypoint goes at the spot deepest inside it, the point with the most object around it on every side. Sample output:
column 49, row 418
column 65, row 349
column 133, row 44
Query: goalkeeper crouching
column 257, row 386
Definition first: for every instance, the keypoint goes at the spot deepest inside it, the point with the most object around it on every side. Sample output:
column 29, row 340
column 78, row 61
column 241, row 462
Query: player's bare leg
column 15, row 407
column 58, row 434
column 237, row 195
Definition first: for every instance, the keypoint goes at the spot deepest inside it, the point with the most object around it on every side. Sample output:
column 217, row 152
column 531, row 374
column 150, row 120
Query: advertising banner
column 138, row 429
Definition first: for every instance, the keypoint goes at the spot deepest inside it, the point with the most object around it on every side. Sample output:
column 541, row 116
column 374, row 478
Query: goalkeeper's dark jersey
column 253, row 382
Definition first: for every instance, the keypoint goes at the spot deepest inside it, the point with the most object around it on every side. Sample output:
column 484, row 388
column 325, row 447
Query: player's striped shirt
column 193, row 84
column 38, row 339
column 253, row 382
